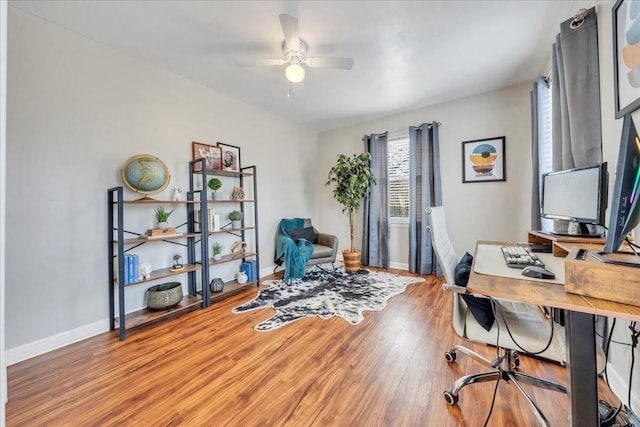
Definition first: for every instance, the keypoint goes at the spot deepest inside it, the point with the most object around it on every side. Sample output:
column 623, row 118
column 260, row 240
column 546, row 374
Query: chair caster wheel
column 450, row 356
column 451, row 398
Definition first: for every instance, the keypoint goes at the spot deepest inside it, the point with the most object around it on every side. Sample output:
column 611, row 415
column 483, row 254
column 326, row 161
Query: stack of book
column 249, row 268
column 213, row 221
column 131, row 267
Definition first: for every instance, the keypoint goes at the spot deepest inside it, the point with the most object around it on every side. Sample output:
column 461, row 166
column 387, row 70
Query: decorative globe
column 145, row 174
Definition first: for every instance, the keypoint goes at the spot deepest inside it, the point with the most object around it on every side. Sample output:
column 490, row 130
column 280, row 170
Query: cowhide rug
column 327, row 295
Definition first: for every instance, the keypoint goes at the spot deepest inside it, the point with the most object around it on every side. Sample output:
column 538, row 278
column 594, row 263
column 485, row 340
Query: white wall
column 3, row 162
column 475, row 211
column 76, row 111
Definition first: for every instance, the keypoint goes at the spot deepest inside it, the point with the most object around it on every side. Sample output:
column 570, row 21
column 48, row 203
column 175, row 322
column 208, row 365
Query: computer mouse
column 537, row 272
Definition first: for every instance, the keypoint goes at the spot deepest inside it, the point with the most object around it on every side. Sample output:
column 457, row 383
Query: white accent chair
column 527, row 323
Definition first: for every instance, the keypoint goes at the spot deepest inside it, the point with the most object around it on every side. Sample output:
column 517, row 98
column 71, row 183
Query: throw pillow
column 480, row 308
column 306, row 233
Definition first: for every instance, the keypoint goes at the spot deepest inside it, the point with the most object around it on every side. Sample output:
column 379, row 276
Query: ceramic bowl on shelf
column 164, row 296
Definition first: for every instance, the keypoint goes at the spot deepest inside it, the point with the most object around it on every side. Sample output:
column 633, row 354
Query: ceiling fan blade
column 261, row 62
column 290, row 30
column 340, row 63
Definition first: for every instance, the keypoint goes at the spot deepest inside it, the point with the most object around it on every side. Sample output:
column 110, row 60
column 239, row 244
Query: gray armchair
column 325, row 248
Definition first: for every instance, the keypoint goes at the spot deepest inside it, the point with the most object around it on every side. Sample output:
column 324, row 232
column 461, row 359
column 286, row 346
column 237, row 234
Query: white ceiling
column 407, row 54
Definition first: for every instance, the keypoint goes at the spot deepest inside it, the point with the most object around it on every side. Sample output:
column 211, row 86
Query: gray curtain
column 425, row 190
column 375, row 229
column 577, row 130
column 538, row 86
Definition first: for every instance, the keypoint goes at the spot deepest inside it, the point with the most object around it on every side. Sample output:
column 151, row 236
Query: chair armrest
column 328, row 240
column 454, row 288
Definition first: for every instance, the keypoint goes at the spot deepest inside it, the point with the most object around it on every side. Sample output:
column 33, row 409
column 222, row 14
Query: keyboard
column 520, row 257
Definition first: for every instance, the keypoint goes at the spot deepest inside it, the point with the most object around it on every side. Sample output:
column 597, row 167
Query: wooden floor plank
column 210, row 367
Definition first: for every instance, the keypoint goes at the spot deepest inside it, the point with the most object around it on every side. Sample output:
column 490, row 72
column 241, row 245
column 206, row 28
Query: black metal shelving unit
column 120, row 241
column 119, row 246
column 248, row 206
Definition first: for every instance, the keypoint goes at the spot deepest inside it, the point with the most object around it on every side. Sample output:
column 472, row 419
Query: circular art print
column 145, row 174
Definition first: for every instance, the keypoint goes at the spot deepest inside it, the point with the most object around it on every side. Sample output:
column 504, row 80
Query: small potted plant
column 215, row 184
column 162, row 217
column 236, row 219
column 217, row 250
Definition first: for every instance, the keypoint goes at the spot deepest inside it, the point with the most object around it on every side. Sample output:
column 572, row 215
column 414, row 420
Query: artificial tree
column 351, row 178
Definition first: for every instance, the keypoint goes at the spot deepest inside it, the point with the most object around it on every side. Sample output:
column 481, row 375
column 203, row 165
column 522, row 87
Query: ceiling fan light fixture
column 294, row 73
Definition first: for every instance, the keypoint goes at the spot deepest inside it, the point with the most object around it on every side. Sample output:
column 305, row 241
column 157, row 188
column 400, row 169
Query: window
column 398, row 164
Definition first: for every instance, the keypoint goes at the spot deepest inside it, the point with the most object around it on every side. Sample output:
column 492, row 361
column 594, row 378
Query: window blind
column 398, row 164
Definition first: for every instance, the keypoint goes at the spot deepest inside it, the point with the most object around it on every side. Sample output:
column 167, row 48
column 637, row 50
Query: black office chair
column 528, row 326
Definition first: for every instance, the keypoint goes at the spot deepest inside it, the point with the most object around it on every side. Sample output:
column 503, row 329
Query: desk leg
column 582, row 369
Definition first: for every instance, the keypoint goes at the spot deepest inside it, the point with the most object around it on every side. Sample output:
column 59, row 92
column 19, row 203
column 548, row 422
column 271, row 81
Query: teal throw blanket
column 296, row 255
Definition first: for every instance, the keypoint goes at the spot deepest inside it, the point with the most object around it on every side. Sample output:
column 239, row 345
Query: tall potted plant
column 351, row 178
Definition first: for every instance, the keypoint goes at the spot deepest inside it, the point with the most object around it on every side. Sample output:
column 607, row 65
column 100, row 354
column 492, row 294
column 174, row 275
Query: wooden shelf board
column 231, row 257
column 138, row 240
column 230, row 288
column 166, row 272
column 152, row 201
column 146, row 316
column 219, row 172
column 230, row 230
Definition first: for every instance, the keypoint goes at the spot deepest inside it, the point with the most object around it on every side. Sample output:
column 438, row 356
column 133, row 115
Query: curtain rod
column 578, row 19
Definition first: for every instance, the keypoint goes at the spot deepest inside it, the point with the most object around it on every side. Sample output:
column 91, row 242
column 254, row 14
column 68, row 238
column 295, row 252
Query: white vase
column 242, row 277
column 236, row 224
column 216, row 257
column 217, row 196
column 163, row 225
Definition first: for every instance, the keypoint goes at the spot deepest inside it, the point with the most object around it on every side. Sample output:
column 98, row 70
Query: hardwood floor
column 210, row 367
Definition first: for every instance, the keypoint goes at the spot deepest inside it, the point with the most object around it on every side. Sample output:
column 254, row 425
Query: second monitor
column 578, row 195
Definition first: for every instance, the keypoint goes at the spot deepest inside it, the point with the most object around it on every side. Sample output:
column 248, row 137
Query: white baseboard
column 620, row 387
column 36, row 348
column 399, row 265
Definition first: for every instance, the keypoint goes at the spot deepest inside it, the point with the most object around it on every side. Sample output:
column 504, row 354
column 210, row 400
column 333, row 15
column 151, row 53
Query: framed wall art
column 211, row 153
column 230, row 157
column 484, row 160
column 626, row 60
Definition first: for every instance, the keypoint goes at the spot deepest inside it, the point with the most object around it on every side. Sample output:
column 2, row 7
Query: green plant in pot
column 162, row 217
column 351, row 178
column 236, row 218
column 215, row 184
column 216, row 248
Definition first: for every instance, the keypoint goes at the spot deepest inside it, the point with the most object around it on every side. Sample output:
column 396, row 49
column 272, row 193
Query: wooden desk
column 580, row 325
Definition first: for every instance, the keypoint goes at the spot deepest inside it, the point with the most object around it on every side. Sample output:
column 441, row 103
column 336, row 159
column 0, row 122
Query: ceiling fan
column 295, row 53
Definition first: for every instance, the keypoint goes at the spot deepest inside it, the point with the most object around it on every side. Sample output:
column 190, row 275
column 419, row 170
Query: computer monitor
column 625, row 212
column 578, row 195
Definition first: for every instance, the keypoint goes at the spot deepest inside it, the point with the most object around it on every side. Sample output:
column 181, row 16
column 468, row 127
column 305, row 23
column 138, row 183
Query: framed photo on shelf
column 230, row 157
column 483, row 160
column 626, row 78
column 211, row 153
